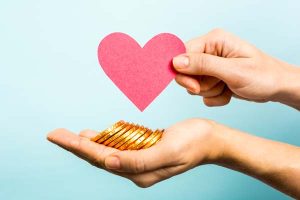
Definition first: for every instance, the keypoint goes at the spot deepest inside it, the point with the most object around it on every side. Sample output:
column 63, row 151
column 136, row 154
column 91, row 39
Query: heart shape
column 140, row 73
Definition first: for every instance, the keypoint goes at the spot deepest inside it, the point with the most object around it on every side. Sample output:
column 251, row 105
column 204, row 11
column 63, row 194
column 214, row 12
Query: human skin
column 216, row 66
column 189, row 144
column 220, row 65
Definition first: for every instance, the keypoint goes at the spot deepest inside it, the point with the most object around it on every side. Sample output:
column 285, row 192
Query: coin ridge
column 111, row 133
column 122, row 137
column 153, row 140
column 140, row 140
column 148, row 139
column 134, row 138
column 104, row 132
column 128, row 137
column 117, row 135
column 156, row 141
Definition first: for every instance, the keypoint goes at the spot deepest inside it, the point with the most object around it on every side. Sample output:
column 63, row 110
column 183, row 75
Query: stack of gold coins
column 127, row 136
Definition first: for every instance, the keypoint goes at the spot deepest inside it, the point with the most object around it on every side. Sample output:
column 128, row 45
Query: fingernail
column 112, row 162
column 181, row 61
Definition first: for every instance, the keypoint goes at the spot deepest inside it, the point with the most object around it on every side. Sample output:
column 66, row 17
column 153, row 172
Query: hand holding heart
column 216, row 66
column 219, row 65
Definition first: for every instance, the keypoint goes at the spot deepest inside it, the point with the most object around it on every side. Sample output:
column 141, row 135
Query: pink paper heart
column 140, row 73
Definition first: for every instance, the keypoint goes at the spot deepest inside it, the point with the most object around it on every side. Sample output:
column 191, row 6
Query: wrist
column 228, row 144
column 228, row 140
column 217, row 143
column 289, row 87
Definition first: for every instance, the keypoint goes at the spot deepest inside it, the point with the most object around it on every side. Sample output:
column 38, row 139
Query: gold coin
column 153, row 140
column 102, row 133
column 111, row 133
column 144, row 142
column 122, row 137
column 140, row 140
column 134, row 138
column 156, row 140
column 128, row 126
column 128, row 137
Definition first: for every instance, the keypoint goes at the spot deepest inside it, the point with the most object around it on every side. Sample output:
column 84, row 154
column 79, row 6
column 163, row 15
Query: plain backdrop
column 50, row 78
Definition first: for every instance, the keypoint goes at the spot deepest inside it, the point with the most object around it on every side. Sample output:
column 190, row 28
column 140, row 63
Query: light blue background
column 50, row 78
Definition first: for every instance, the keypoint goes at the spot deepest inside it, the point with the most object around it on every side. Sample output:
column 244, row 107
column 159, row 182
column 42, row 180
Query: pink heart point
column 140, row 73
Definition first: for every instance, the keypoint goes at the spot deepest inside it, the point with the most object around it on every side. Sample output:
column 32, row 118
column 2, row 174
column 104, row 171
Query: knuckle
column 77, row 145
column 139, row 165
column 98, row 161
column 204, row 87
column 197, row 62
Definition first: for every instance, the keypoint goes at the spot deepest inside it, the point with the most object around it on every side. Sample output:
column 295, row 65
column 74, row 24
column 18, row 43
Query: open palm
column 183, row 146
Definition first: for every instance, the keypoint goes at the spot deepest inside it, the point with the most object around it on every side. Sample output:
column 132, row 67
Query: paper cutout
column 140, row 73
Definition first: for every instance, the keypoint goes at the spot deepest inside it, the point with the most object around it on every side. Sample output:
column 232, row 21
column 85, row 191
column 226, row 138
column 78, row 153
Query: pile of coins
column 127, row 136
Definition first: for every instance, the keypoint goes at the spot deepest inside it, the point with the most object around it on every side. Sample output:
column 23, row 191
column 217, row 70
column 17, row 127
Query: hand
column 183, row 146
column 188, row 144
column 219, row 65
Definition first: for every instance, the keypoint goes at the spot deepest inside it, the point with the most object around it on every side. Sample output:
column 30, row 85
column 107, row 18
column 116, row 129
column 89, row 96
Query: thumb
column 140, row 161
column 225, row 69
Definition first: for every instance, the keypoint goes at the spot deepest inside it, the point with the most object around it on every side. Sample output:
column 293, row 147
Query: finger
column 88, row 133
column 196, row 45
column 208, row 82
column 62, row 138
column 207, row 43
column 148, row 179
column 84, row 148
column 246, row 99
column 215, row 91
column 143, row 180
column 220, row 100
column 188, row 82
column 191, row 93
column 213, row 43
column 143, row 160
column 239, row 97
column 204, row 64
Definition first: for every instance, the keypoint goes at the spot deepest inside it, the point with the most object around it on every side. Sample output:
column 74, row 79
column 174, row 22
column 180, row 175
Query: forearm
column 289, row 87
column 274, row 163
